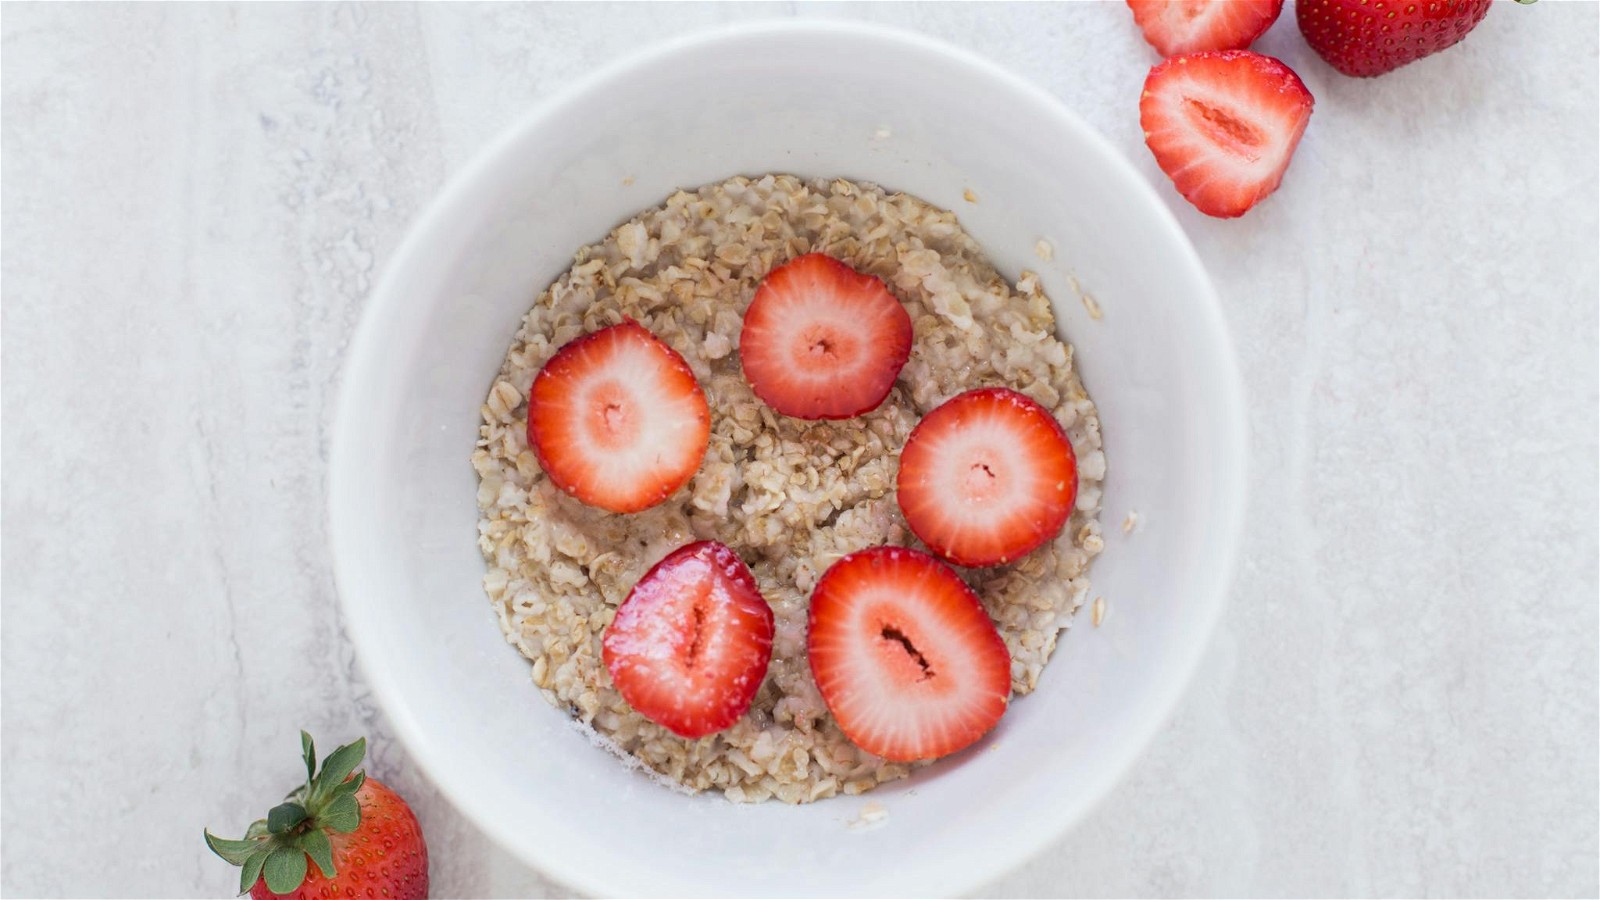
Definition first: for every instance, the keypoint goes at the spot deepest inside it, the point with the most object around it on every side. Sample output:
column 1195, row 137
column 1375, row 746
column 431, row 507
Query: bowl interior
column 813, row 100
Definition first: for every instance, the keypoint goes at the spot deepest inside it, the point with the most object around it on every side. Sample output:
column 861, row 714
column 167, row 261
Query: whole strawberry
column 1370, row 37
column 362, row 838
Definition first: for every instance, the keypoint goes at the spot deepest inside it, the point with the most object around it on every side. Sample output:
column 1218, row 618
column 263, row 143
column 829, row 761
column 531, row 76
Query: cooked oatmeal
column 790, row 496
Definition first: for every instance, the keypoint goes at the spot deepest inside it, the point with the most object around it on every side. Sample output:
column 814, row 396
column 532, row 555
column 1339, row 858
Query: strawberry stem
column 295, row 832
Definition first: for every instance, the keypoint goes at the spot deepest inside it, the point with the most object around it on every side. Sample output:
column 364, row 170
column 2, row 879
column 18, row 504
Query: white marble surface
column 1402, row 699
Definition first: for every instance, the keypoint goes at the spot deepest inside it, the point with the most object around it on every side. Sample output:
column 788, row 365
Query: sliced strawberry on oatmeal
column 905, row 656
column 689, row 646
column 987, row 477
column 823, row 341
column 617, row 419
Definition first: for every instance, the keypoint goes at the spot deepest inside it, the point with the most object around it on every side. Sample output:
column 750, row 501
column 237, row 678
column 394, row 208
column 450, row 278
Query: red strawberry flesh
column 1175, row 27
column 823, row 341
column 987, row 477
column 1223, row 126
column 618, row 420
column 689, row 646
column 1364, row 38
column 905, row 656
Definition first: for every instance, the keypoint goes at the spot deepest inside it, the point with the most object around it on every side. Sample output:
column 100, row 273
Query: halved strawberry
column 617, row 419
column 1191, row 26
column 986, row 477
column 1223, row 126
column 905, row 656
column 823, row 341
column 689, row 646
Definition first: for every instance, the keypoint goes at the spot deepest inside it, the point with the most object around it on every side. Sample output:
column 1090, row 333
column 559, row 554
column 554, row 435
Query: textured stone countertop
column 197, row 200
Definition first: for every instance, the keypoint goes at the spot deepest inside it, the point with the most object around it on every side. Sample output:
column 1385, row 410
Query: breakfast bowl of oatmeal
column 802, row 459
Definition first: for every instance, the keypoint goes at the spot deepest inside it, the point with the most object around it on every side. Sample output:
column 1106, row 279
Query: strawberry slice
column 823, row 341
column 987, row 477
column 1223, row 126
column 689, row 646
column 904, row 655
column 1174, row 27
column 617, row 419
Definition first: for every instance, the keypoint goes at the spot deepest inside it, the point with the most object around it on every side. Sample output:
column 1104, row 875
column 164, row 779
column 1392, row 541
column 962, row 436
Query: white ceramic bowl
column 814, row 99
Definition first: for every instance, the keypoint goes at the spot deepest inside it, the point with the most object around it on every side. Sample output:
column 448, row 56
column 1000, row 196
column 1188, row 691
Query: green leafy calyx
column 278, row 847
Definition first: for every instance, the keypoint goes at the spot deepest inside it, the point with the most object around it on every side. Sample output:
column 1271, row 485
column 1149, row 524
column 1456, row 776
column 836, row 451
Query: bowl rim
column 453, row 201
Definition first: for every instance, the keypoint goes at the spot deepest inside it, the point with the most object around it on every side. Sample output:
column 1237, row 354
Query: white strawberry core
column 911, row 676
column 984, row 463
column 616, row 421
column 822, row 345
column 634, row 418
column 1189, row 17
column 981, row 482
column 1224, row 129
column 910, row 656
